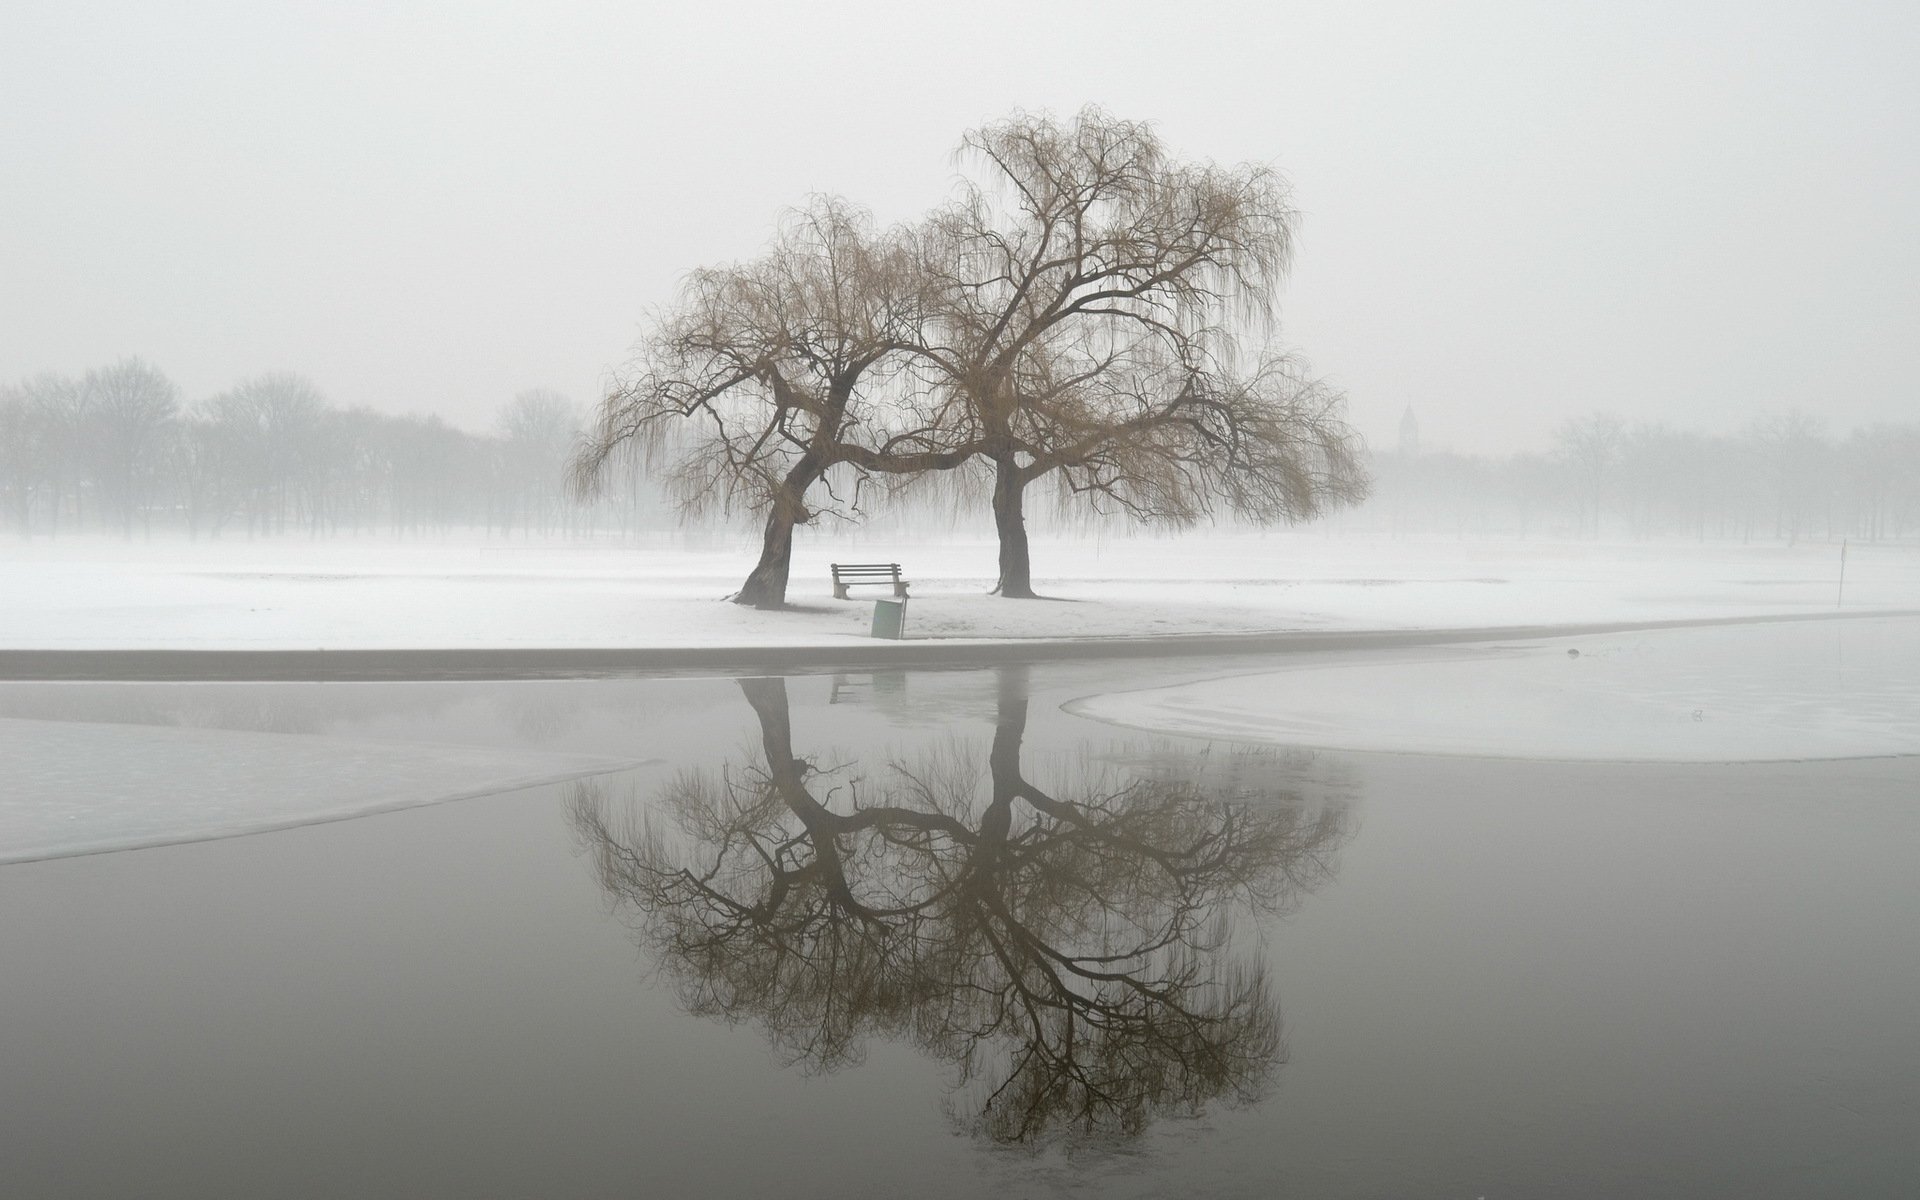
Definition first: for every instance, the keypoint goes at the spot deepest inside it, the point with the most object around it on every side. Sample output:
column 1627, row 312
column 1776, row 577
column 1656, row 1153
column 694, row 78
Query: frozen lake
column 932, row 934
column 1730, row 693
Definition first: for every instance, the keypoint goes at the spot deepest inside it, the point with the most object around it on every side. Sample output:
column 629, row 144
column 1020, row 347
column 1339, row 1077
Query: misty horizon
column 1510, row 217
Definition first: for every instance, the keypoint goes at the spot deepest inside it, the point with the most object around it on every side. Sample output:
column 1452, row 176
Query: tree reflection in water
column 1068, row 951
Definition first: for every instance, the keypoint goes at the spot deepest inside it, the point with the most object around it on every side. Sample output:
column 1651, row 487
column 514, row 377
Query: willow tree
column 1090, row 298
column 1083, row 312
column 768, row 375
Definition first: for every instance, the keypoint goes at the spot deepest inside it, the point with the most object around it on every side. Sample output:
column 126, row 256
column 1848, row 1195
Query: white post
column 1843, row 574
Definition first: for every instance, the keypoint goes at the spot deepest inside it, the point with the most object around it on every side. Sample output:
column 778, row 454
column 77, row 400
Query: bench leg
column 839, row 591
column 900, row 590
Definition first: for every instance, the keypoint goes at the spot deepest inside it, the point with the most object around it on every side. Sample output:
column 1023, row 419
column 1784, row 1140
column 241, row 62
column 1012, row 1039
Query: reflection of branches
column 1066, row 949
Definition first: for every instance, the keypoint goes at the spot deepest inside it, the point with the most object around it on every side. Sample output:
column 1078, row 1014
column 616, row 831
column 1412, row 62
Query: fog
column 993, row 600
column 1515, row 215
column 116, row 451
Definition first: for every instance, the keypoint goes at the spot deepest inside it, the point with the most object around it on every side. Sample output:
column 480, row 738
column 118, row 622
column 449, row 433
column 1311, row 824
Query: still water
column 928, row 934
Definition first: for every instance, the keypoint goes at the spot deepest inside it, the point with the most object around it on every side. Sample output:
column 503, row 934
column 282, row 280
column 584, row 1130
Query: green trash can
column 890, row 618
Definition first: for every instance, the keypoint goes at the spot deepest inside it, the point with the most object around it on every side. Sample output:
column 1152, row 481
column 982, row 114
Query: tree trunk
column 766, row 585
column 1010, row 521
column 126, row 503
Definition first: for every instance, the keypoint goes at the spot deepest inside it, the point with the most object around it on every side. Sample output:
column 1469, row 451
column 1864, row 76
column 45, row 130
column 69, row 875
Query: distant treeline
column 117, row 450
column 1782, row 478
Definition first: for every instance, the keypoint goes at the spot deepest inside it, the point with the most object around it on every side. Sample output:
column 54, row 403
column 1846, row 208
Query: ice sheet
column 74, row 788
column 1737, row 693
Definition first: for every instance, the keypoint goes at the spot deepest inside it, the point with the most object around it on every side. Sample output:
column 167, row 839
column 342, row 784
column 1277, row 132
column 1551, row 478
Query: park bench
column 846, row 575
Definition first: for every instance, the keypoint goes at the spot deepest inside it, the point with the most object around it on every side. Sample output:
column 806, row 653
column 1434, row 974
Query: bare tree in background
column 538, row 429
column 1879, row 460
column 22, row 446
column 59, row 409
column 269, row 431
column 127, row 409
column 206, row 479
column 1659, row 471
column 1590, row 448
column 1788, row 448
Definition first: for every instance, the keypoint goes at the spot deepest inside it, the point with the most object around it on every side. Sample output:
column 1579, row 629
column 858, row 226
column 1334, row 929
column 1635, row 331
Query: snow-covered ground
column 384, row 593
column 1748, row 693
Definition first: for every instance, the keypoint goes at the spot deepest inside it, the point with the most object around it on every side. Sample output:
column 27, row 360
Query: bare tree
column 59, row 414
column 1590, row 448
column 270, row 427
column 1081, row 312
column 214, row 462
column 1878, row 469
column 1790, row 449
column 1089, row 299
column 128, row 406
column 769, row 375
column 1658, row 469
column 22, row 446
column 538, row 430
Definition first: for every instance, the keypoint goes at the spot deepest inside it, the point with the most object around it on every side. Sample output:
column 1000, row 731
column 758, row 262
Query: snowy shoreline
column 415, row 664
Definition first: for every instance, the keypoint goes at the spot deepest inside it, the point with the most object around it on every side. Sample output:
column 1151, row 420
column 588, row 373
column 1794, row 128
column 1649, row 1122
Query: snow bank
column 74, row 788
column 1735, row 693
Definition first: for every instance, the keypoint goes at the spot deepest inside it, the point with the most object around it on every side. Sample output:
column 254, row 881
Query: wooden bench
column 846, row 575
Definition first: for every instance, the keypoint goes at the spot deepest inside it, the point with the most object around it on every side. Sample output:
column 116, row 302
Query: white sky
column 1514, row 212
